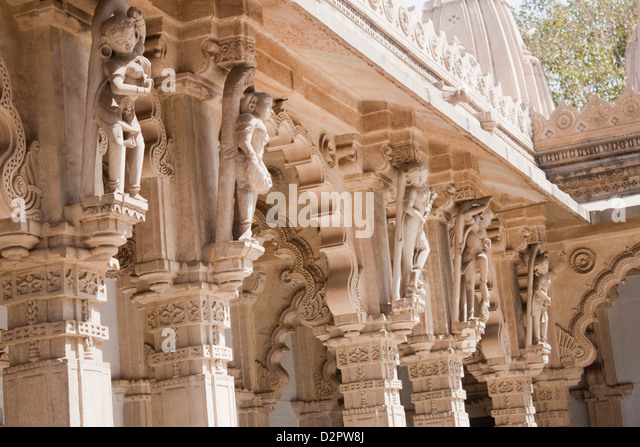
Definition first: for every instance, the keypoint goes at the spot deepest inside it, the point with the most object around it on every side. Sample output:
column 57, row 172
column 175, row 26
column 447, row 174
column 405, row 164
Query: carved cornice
column 592, row 153
column 567, row 124
column 432, row 56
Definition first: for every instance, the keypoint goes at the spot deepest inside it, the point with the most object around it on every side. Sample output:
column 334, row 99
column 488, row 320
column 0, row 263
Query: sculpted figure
column 125, row 76
column 252, row 176
column 128, row 75
column 472, row 258
column 540, row 282
column 411, row 245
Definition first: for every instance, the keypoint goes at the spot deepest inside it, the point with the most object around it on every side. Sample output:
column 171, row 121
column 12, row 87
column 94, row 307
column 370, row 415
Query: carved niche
column 119, row 74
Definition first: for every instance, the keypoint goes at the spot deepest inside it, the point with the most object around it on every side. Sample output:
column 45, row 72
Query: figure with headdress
column 411, row 245
column 125, row 75
column 538, row 299
column 252, row 176
column 472, row 259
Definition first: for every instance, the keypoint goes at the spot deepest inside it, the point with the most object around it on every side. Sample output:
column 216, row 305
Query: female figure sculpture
column 252, row 176
column 538, row 299
column 472, row 258
column 125, row 75
column 411, row 244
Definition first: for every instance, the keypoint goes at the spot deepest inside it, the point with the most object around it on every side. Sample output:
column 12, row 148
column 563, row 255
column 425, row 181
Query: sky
column 514, row 3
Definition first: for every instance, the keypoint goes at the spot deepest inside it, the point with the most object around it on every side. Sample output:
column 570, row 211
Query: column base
column 203, row 400
column 376, row 416
column 59, row 393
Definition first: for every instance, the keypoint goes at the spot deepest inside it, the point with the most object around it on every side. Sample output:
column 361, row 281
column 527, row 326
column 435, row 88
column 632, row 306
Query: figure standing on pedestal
column 125, row 75
column 411, row 244
column 243, row 137
column 538, row 298
column 252, row 176
column 472, row 258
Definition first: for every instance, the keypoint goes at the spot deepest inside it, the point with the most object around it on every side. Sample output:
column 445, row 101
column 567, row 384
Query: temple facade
column 309, row 213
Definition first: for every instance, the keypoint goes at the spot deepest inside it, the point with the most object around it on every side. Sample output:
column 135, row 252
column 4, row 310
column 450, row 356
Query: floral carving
column 170, row 314
column 403, row 18
column 29, row 283
column 583, row 260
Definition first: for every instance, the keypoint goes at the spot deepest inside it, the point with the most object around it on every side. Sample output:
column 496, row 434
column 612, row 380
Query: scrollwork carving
column 20, row 177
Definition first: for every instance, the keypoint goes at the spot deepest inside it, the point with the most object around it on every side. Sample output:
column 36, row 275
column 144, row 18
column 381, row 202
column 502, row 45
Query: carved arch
column 575, row 347
column 20, row 175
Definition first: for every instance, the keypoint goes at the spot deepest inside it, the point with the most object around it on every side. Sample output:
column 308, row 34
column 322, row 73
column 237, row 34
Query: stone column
column 437, row 346
column 188, row 322
column 252, row 410
column 603, row 403
column 57, row 376
column 436, row 373
column 318, row 413
column 370, row 383
column 551, row 397
column 512, row 398
column 136, row 398
column 438, row 395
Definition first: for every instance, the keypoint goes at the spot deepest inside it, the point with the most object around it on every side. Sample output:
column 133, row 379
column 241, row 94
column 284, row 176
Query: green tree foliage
column 581, row 45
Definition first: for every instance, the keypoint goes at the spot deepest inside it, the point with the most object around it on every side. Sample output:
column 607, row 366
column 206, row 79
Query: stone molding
column 432, row 56
column 567, row 124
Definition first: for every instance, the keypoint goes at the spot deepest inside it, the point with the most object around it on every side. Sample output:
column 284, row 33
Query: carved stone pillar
column 551, row 397
column 57, row 376
column 438, row 395
column 370, row 383
column 188, row 321
column 603, row 403
column 437, row 346
column 512, row 398
column 318, row 413
column 135, row 396
column 252, row 411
